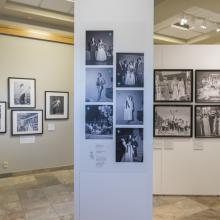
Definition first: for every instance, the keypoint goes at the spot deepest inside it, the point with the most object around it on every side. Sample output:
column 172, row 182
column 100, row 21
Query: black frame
column 5, row 131
column 173, row 136
column 170, row 70
column 197, row 72
column 195, row 107
column 27, row 110
column 45, row 102
column 9, row 93
column 131, row 53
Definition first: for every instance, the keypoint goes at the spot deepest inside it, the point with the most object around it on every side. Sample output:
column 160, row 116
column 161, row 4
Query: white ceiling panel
column 27, row 2
column 177, row 33
column 57, row 5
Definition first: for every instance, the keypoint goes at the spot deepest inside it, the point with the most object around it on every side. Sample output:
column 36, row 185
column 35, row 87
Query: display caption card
column 168, row 145
column 158, row 144
column 100, row 156
column 51, row 127
column 27, row 139
column 198, row 145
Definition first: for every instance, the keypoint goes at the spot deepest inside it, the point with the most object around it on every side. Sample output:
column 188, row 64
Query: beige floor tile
column 68, row 217
column 45, row 180
column 16, row 216
column 210, row 201
column 63, row 209
column 8, row 196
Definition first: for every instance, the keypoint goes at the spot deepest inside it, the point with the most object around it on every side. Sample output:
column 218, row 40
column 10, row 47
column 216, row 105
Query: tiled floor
column 49, row 196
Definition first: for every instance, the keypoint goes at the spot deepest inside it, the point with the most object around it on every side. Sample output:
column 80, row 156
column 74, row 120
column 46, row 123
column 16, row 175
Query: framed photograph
column 129, row 145
column 99, row 47
column 207, row 121
column 21, row 92
column 130, row 70
column 172, row 121
column 99, row 85
column 173, row 85
column 26, row 122
column 2, row 117
column 99, row 122
column 129, row 107
column 207, row 86
column 56, row 105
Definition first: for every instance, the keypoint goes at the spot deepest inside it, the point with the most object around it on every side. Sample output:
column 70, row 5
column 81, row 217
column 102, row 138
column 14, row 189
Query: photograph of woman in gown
column 130, row 70
column 173, row 85
column 100, row 82
column 99, row 47
column 129, row 145
column 207, row 121
column 129, row 107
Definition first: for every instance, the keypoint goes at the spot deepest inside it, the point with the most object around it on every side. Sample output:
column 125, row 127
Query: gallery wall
column 187, row 166
column 51, row 64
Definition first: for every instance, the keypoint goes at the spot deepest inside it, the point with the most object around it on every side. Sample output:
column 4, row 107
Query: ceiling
column 56, row 14
column 169, row 12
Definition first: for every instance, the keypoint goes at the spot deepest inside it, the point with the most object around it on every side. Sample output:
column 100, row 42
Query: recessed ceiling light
column 218, row 28
column 204, row 25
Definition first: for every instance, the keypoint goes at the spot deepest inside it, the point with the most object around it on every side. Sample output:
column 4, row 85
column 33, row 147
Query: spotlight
column 218, row 28
column 183, row 20
column 204, row 25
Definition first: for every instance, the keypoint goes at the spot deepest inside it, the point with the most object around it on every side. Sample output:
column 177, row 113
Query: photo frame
column 21, row 92
column 207, row 121
column 56, row 105
column 99, row 47
column 173, row 121
column 173, row 85
column 130, row 70
column 207, row 86
column 3, row 118
column 26, row 122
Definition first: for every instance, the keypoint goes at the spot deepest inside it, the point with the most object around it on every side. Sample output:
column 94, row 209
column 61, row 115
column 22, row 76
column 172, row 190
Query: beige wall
column 52, row 66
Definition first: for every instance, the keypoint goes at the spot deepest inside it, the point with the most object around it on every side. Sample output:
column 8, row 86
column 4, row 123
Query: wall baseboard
column 22, row 173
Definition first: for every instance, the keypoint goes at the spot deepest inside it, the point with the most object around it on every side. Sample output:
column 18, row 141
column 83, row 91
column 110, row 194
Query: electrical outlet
column 5, row 165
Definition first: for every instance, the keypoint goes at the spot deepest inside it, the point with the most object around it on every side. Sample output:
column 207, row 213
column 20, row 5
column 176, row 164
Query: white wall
column 116, row 190
column 52, row 66
column 187, row 166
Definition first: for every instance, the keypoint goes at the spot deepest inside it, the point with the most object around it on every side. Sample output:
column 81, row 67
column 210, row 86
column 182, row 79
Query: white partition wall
column 106, row 189
column 188, row 166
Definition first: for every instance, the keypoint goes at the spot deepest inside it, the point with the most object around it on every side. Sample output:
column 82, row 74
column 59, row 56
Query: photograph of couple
column 129, row 145
column 207, row 121
column 130, row 70
column 99, row 47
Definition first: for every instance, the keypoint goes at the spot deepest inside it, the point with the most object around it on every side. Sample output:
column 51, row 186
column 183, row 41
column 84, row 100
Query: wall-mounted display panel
column 2, row 117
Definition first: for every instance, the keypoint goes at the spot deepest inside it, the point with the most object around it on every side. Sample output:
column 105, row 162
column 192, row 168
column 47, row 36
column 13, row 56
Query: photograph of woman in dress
column 173, row 85
column 207, row 121
column 130, row 70
column 129, row 145
column 99, row 85
column 129, row 108
column 99, row 47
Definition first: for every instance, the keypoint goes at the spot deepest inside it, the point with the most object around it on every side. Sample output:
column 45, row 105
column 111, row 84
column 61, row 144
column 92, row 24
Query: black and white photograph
column 99, row 47
column 129, row 145
column 130, row 104
column 172, row 121
column 173, row 85
column 2, row 117
column 207, row 86
column 99, row 122
column 21, row 92
column 99, row 84
column 26, row 122
column 207, row 121
column 130, row 70
column 56, row 105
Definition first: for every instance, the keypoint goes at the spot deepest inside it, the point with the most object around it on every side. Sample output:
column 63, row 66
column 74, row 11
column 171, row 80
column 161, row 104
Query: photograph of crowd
column 129, row 110
column 99, row 47
column 129, row 145
column 99, row 122
column 130, row 70
column 207, row 86
column 172, row 121
column 99, row 84
column 207, row 121
column 173, row 85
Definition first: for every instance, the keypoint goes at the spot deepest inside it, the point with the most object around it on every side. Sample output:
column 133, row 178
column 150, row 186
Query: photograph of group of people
column 173, row 85
column 130, row 70
column 207, row 86
column 172, row 121
column 99, row 47
column 207, row 121
column 129, row 145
